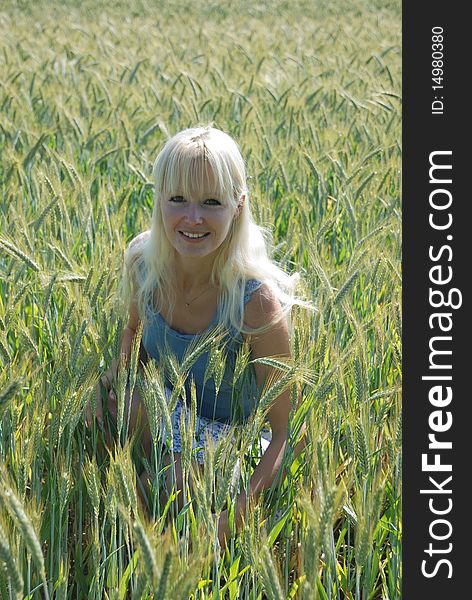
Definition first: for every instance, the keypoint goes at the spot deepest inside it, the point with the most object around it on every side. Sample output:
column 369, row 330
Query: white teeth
column 193, row 235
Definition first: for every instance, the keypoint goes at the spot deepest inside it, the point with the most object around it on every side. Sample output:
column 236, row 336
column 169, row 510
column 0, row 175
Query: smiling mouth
column 193, row 236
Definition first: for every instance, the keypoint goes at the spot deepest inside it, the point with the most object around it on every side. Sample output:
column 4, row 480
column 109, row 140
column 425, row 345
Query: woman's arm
column 131, row 254
column 127, row 338
column 110, row 374
column 264, row 308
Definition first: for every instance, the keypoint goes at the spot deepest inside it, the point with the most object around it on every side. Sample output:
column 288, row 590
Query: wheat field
column 89, row 92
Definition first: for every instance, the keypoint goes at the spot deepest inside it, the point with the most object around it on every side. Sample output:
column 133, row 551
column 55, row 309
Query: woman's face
column 196, row 224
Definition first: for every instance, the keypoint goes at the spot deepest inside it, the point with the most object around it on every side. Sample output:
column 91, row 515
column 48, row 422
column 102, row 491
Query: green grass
column 312, row 93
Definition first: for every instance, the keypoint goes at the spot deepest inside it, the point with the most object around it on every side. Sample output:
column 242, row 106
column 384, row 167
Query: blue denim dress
column 234, row 400
column 216, row 412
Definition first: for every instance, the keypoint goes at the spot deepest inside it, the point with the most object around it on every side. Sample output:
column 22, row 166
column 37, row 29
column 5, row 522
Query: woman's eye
column 208, row 201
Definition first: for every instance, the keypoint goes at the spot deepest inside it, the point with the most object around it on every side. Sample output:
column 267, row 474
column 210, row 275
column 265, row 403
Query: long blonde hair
column 242, row 256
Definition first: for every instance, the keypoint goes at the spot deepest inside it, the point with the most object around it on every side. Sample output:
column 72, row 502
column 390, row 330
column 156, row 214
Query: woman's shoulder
column 139, row 240
column 133, row 257
column 263, row 307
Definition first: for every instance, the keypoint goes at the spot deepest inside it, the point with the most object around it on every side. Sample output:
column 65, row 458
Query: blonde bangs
column 190, row 168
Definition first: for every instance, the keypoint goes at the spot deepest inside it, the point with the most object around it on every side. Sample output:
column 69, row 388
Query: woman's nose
column 193, row 214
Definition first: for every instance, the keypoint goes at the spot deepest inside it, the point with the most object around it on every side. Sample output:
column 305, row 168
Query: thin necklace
column 187, row 304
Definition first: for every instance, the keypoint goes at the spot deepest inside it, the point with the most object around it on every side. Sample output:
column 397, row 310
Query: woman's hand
column 223, row 529
column 107, row 380
column 132, row 409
